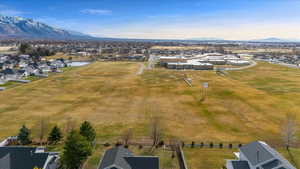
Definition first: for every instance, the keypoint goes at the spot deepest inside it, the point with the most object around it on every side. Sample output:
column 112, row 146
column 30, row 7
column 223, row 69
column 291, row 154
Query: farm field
column 229, row 49
column 240, row 107
column 7, row 50
column 66, row 56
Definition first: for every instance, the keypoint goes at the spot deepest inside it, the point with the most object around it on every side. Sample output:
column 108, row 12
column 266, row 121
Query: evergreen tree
column 24, row 48
column 87, row 130
column 24, row 135
column 55, row 135
column 76, row 151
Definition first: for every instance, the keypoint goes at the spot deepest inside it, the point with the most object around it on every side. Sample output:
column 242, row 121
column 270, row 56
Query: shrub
column 193, row 144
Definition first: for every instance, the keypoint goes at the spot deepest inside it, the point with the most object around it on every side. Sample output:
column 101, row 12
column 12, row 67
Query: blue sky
column 166, row 19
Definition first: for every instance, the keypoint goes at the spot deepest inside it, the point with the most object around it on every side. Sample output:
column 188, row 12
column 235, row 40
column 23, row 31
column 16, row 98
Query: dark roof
column 143, row 162
column 8, row 72
column 21, row 158
column 240, row 165
column 256, row 153
column 122, row 158
column 21, row 71
column 7, row 62
column 115, row 156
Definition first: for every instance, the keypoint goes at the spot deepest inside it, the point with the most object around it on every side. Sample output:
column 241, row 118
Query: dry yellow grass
column 179, row 47
column 230, row 49
column 5, row 48
column 260, row 50
column 241, row 107
column 66, row 56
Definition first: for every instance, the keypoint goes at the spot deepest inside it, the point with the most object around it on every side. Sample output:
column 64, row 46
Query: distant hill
column 19, row 27
column 206, row 39
column 274, row 39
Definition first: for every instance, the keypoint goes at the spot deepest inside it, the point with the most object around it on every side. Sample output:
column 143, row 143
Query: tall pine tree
column 76, row 150
column 24, row 135
column 87, row 130
column 55, row 135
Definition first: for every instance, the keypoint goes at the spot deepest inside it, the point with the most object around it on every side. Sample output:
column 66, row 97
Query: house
column 258, row 155
column 121, row 158
column 9, row 74
column 27, row 158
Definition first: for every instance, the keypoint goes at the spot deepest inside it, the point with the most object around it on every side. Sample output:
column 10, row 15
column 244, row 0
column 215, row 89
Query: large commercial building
column 201, row 62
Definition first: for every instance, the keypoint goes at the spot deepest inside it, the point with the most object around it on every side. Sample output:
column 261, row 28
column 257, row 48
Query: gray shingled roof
column 115, row 156
column 256, row 153
column 21, row 158
column 259, row 152
column 122, row 158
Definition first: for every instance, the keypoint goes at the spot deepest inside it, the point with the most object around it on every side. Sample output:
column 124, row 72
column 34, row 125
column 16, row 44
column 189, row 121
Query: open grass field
column 7, row 50
column 242, row 106
column 229, row 49
column 179, row 47
column 66, row 56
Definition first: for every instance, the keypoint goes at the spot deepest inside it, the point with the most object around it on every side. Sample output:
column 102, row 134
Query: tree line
column 27, row 49
column 77, row 146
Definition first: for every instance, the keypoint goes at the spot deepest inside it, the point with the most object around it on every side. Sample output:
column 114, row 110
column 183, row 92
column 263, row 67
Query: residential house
column 27, row 158
column 258, row 155
column 9, row 74
column 31, row 70
column 121, row 158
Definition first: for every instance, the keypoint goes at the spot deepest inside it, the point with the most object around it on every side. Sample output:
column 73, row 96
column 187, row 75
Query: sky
column 166, row 19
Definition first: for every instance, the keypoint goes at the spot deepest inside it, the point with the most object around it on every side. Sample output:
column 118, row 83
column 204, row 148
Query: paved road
column 253, row 63
column 288, row 65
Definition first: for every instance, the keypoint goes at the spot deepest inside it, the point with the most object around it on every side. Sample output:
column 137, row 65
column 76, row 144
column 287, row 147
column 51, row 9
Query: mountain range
column 274, row 39
column 19, row 27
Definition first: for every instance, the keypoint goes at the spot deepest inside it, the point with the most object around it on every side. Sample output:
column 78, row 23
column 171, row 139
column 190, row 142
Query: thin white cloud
column 4, row 10
column 11, row 12
column 96, row 11
column 58, row 23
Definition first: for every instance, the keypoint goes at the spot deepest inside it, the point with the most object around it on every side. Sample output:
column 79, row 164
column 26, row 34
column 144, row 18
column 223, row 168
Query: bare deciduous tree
column 70, row 125
column 289, row 130
column 155, row 130
column 43, row 129
column 127, row 136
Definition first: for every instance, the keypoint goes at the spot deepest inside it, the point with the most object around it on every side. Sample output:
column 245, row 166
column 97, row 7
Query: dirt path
column 141, row 70
column 151, row 62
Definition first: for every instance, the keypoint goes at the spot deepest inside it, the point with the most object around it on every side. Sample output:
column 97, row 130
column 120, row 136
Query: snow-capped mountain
column 18, row 27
